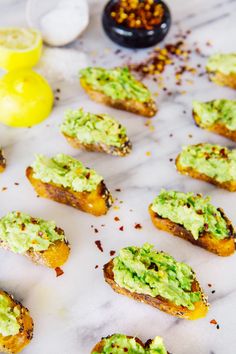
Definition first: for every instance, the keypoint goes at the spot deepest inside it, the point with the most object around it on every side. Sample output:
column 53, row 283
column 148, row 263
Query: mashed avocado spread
column 215, row 161
column 66, row 171
column 192, row 211
column 21, row 232
column 9, row 325
column 116, row 83
column 217, row 111
column 145, row 271
column 93, row 128
column 224, row 63
column 120, row 344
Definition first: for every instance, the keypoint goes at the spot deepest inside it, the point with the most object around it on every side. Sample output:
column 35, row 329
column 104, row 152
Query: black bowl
column 135, row 37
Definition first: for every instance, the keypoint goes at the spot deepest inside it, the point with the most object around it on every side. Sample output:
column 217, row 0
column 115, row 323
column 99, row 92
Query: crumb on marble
column 99, row 245
column 4, row 189
column 112, row 252
column 116, row 218
column 138, row 226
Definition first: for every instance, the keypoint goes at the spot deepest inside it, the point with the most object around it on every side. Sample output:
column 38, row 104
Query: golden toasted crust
column 222, row 79
column 201, row 307
column 217, row 128
column 100, row 345
column 189, row 171
column 146, row 109
column 15, row 344
column 123, row 150
column 206, row 240
column 96, row 202
column 2, row 162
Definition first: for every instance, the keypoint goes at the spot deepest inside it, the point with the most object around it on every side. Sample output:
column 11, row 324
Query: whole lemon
column 25, row 98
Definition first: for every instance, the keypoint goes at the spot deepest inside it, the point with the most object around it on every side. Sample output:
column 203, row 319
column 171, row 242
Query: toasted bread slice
column 224, row 247
column 96, row 202
column 218, row 128
column 146, row 109
column 201, row 307
column 2, row 162
column 16, row 343
column 189, row 171
column 122, row 150
column 100, row 345
column 223, row 79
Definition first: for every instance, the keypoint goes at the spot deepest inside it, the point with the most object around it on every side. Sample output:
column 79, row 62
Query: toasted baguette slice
column 16, row 343
column 221, row 69
column 100, row 345
column 223, row 79
column 146, row 109
column 218, row 128
column 201, row 307
column 96, row 202
column 122, row 150
column 229, row 185
column 224, row 247
column 2, row 162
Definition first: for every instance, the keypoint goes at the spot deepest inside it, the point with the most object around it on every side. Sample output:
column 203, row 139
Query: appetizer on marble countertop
column 16, row 325
column 2, row 161
column 210, row 163
column 218, row 116
column 222, row 69
column 118, row 88
column 95, row 132
column 120, row 343
column 193, row 218
column 157, row 279
column 64, row 179
column 41, row 241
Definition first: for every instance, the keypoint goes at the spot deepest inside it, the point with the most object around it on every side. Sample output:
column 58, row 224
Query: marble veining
column 72, row 312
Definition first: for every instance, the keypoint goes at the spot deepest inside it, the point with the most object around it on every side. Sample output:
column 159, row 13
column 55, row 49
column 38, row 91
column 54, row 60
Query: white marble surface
column 72, row 312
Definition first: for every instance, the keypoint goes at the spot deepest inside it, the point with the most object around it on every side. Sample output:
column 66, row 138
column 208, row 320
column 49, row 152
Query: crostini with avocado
column 222, row 69
column 218, row 116
column 16, row 325
column 120, row 344
column 95, row 132
column 210, row 163
column 195, row 219
column 157, row 279
column 64, row 179
column 118, row 88
column 39, row 240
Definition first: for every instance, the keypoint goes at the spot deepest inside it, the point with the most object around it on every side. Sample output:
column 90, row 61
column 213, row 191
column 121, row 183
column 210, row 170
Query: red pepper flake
column 99, row 245
column 4, row 189
column 116, row 218
column 121, row 228
column 96, row 231
column 96, row 266
column 210, row 285
column 112, row 252
column 138, row 226
column 16, row 184
column 59, row 271
column 213, row 322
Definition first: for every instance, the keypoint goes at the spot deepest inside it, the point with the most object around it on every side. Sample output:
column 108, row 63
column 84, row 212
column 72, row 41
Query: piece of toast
column 189, row 171
column 201, row 307
column 100, row 345
column 222, row 79
column 16, row 343
column 206, row 240
column 146, row 109
column 122, row 150
column 217, row 128
column 2, row 161
column 96, row 202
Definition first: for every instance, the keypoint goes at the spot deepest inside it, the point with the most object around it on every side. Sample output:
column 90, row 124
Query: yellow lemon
column 25, row 98
column 19, row 48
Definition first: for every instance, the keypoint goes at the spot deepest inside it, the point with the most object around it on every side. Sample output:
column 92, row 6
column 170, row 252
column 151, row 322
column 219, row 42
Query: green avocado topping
column 217, row 111
column 66, row 171
column 145, row 271
column 215, row 161
column 120, row 344
column 92, row 128
column 192, row 211
column 9, row 325
column 224, row 63
column 21, row 232
column 117, row 83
